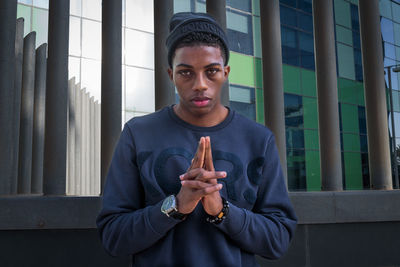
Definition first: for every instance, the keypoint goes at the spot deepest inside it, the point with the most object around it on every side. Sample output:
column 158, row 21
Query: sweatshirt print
column 152, row 152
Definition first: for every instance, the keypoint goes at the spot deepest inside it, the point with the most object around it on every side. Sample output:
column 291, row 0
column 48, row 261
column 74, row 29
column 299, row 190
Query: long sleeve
column 267, row 229
column 124, row 219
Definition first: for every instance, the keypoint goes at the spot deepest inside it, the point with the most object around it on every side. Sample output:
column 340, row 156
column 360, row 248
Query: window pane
column 91, row 77
column 389, row 51
column 291, row 3
column 74, row 68
column 41, row 3
column 200, row 6
column 237, row 22
column 139, row 15
column 242, row 99
column 139, row 53
column 305, row 22
column 396, row 28
column 290, row 51
column 296, row 170
column 91, row 9
column 385, row 8
column 355, row 24
column 396, row 12
column 244, row 5
column 139, row 95
column 305, row 5
column 293, row 110
column 342, row 13
column 356, row 40
column 345, row 56
column 28, row 2
column 306, row 50
column 75, row 7
column 294, row 138
column 181, row 6
column 387, row 30
column 344, row 35
column 240, row 33
column 288, row 16
column 257, row 37
column 358, row 64
column 40, row 25
column 74, row 36
column 91, row 39
column 362, row 122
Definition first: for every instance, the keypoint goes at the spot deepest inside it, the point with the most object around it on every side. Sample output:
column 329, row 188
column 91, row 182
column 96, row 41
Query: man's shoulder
column 149, row 120
column 251, row 126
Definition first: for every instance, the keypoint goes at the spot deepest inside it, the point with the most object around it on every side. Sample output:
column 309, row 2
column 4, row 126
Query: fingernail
column 181, row 176
column 182, row 182
column 219, row 186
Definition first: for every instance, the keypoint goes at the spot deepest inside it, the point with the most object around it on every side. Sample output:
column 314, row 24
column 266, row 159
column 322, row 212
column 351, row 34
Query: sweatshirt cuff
column 159, row 222
column 234, row 222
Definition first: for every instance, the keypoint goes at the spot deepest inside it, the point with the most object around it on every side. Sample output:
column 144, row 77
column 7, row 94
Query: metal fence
column 83, row 129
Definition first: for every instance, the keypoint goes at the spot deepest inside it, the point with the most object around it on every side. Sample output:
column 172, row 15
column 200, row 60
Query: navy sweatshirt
column 152, row 152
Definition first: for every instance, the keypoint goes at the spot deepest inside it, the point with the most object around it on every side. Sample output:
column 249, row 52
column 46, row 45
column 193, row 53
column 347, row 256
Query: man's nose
column 200, row 83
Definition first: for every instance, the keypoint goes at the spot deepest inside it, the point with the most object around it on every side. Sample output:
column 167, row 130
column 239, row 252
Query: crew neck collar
column 185, row 124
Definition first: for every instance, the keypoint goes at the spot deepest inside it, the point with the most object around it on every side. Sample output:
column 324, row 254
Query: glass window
column 200, row 6
column 74, row 68
column 305, row 22
column 91, row 77
column 365, row 170
column 396, row 12
column 41, row 3
column 139, row 15
column 391, row 62
column 342, row 13
column 75, row 7
column 356, row 40
column 397, row 123
column 296, row 169
column 344, row 35
column 25, row 12
column 290, row 51
column 362, row 121
column 291, row 3
column 396, row 28
column 242, row 99
column 306, row 50
column 398, row 52
column 74, row 36
column 181, row 6
column 244, row 5
column 139, row 53
column 389, row 51
column 28, row 2
column 240, row 33
column 358, row 64
column 345, row 56
column 91, row 39
column 40, row 24
column 256, row 7
column 91, row 9
column 385, row 8
column 139, row 94
column 305, row 5
column 288, row 16
column 355, row 24
column 293, row 110
column 396, row 100
column 387, row 30
column 257, row 37
column 294, row 138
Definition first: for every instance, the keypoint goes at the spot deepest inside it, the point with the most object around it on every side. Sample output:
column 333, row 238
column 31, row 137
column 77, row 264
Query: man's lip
column 201, row 101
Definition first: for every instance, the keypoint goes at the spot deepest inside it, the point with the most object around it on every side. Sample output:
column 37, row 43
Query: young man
column 196, row 184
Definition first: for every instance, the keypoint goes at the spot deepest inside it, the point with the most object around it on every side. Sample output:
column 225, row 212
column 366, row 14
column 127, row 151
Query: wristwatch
column 169, row 208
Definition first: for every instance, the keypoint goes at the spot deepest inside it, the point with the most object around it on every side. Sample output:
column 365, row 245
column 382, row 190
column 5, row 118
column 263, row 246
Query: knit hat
column 184, row 23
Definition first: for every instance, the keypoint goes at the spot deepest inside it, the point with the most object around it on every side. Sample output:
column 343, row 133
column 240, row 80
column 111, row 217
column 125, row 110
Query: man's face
column 198, row 73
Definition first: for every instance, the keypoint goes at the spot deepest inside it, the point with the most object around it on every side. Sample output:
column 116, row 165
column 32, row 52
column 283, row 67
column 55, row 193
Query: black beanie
column 184, row 23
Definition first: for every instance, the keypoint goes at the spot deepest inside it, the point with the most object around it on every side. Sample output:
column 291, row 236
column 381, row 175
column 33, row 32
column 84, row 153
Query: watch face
column 168, row 205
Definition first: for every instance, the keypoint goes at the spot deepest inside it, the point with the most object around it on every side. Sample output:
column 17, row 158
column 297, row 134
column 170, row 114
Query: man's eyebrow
column 184, row 65
column 212, row 65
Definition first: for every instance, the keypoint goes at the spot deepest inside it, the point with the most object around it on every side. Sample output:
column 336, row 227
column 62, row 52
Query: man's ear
column 170, row 74
column 227, row 70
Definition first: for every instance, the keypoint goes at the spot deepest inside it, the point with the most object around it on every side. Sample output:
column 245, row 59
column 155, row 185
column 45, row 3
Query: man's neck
column 205, row 120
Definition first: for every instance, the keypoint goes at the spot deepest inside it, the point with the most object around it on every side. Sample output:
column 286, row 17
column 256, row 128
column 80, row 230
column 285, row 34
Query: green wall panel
column 313, row 171
column 353, row 172
column 347, row 91
column 308, row 82
column 257, row 36
column 310, row 109
column 351, row 142
column 342, row 13
column 260, row 106
column 256, row 7
column 291, row 79
column 350, row 118
column 311, row 139
column 242, row 69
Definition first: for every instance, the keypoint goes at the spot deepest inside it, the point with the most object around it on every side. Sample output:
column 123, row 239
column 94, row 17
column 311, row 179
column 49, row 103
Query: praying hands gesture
column 199, row 183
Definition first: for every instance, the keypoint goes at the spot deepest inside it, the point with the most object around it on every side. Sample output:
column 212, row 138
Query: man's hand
column 200, row 182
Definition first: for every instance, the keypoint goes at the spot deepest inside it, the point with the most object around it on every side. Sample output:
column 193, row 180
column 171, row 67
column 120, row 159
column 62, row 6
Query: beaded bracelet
column 220, row 216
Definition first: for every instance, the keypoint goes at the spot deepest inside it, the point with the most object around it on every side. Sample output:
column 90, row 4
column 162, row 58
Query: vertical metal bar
column 274, row 111
column 78, row 139
column 39, row 122
column 8, row 141
column 19, row 51
column 54, row 180
column 92, row 130
column 111, row 90
column 71, row 136
column 87, row 144
column 97, row 148
column 26, row 122
column 164, row 88
column 394, row 156
column 217, row 9
column 328, row 112
column 84, row 143
column 375, row 95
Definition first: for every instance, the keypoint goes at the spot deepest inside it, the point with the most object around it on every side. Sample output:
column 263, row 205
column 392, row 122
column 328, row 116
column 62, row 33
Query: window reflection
column 139, row 48
column 139, row 95
column 91, row 39
column 242, row 99
column 139, row 15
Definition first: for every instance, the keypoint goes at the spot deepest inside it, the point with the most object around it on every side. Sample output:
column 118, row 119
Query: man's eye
column 212, row 71
column 185, row 73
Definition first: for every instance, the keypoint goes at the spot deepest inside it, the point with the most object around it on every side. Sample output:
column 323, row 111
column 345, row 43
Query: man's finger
column 198, row 160
column 201, row 174
column 201, row 188
column 208, row 161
